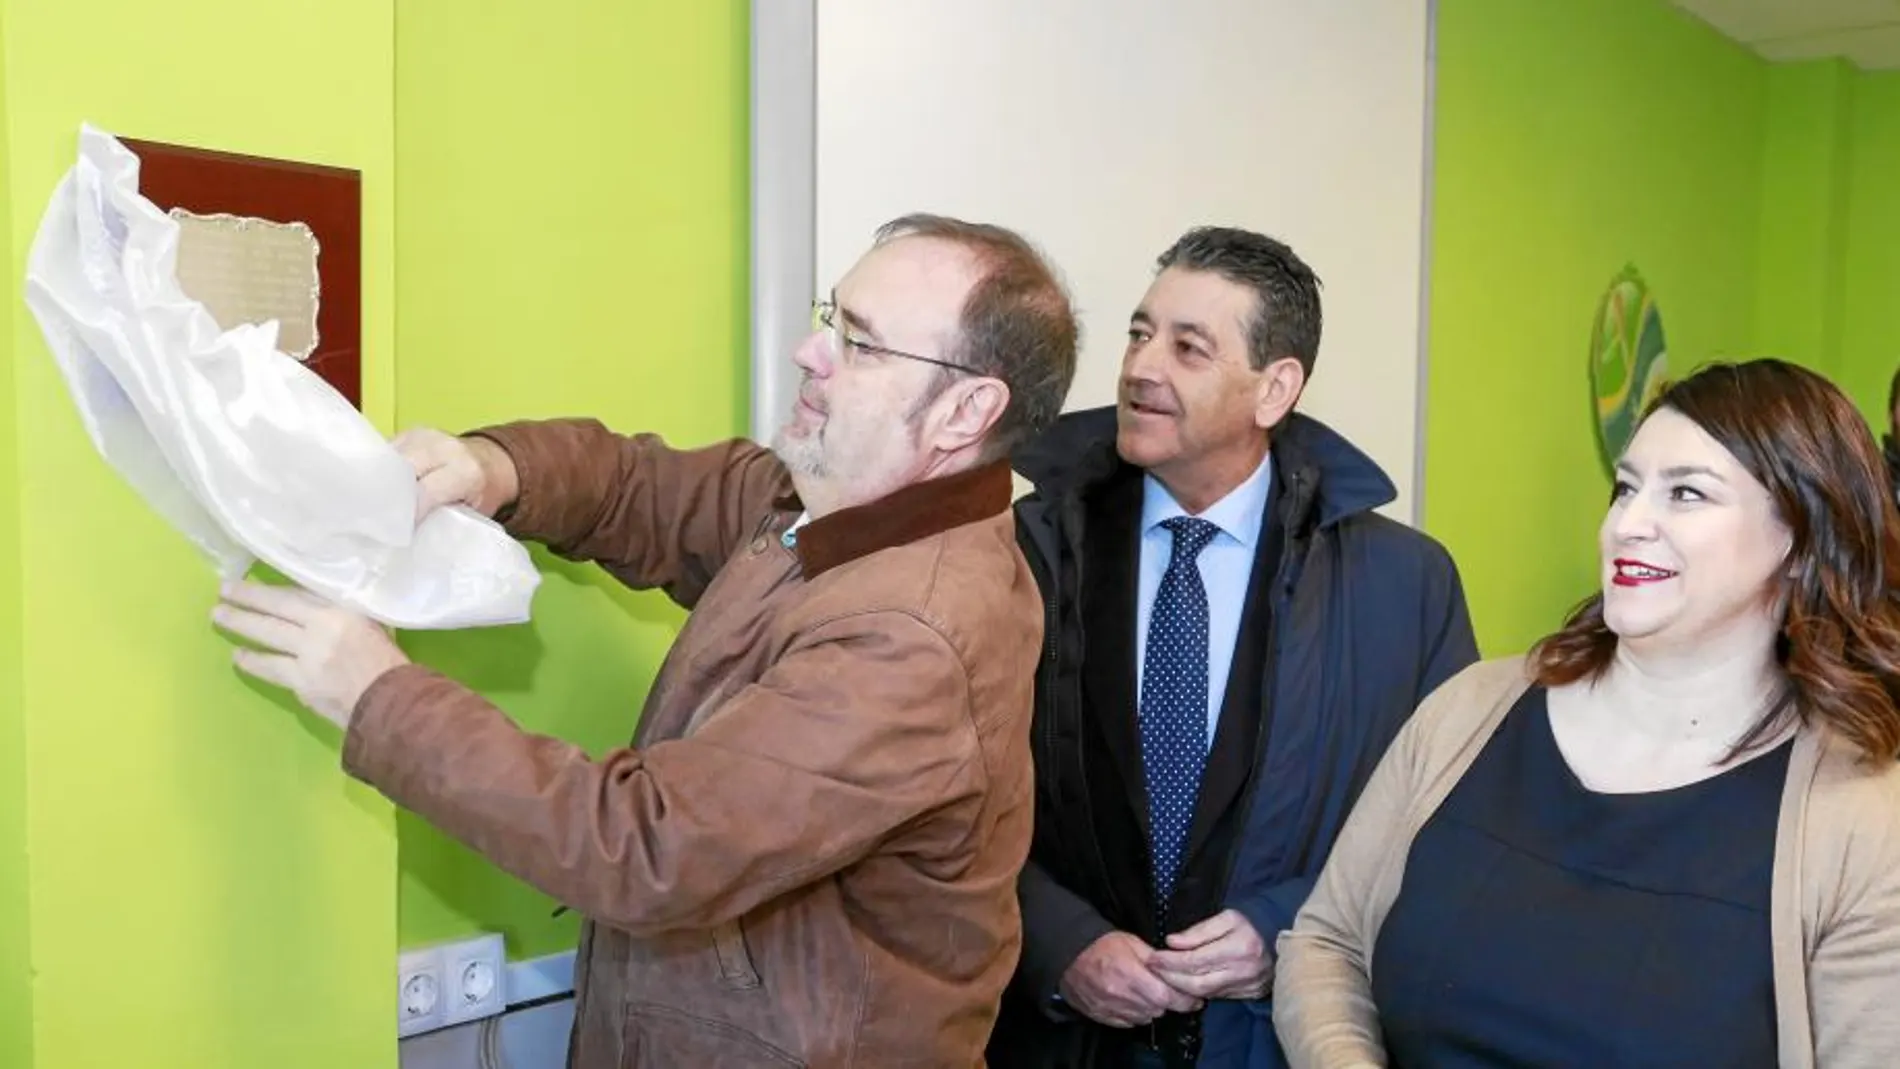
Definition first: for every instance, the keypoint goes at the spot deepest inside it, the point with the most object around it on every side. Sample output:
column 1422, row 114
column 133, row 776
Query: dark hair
column 1893, row 402
column 1839, row 646
column 1017, row 324
column 1286, row 319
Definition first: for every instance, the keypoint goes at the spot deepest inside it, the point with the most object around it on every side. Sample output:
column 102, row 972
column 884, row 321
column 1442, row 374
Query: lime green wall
column 1806, row 157
column 1830, row 234
column 1870, row 319
column 207, row 891
column 571, row 239
column 16, row 972
column 1572, row 137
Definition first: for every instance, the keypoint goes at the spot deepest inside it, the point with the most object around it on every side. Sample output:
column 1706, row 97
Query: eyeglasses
column 824, row 316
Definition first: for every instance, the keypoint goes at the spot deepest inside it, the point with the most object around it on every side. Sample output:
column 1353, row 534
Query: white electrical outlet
column 474, row 973
column 450, row 983
column 420, row 992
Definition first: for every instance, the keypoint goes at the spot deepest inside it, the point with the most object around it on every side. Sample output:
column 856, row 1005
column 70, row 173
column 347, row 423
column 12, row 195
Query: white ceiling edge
column 1864, row 33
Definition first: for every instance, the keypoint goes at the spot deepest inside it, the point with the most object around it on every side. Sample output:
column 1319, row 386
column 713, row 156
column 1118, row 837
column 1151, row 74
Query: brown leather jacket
column 808, row 856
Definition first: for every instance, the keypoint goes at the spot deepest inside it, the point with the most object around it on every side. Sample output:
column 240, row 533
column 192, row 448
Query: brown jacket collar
column 906, row 515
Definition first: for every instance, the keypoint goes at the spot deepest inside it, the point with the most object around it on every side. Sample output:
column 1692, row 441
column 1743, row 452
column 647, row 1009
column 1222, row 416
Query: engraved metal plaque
column 248, row 270
column 265, row 238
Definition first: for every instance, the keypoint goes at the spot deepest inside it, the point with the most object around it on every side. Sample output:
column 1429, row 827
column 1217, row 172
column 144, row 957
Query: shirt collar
column 1238, row 515
column 790, row 537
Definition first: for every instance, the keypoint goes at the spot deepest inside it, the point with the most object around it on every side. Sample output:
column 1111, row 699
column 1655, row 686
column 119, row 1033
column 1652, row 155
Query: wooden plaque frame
column 329, row 200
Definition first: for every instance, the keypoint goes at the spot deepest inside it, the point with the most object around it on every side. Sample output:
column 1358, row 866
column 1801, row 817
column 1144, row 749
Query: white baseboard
column 541, row 978
column 529, row 1038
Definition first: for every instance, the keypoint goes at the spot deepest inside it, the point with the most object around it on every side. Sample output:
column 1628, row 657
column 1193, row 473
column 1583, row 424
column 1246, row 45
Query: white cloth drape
column 247, row 452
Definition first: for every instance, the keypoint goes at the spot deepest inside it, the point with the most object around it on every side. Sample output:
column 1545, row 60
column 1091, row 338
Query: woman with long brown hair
column 1670, row 834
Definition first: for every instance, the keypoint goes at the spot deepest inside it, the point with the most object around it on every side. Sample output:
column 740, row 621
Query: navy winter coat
column 1368, row 617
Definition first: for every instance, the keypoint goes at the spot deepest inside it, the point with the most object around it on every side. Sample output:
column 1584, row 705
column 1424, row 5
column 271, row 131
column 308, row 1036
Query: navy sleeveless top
column 1540, row 923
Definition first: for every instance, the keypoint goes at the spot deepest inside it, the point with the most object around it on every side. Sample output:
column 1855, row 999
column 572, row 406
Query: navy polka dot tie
column 1174, row 700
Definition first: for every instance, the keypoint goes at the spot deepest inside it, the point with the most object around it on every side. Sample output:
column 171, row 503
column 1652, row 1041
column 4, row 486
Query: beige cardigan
column 1835, row 902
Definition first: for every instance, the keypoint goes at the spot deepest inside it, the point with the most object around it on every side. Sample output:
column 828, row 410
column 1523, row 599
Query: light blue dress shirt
column 790, row 538
column 1226, row 567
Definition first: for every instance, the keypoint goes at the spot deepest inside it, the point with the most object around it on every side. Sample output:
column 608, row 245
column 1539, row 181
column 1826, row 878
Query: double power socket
column 450, row 983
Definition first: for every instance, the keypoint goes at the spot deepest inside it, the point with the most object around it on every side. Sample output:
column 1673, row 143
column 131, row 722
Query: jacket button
column 758, row 545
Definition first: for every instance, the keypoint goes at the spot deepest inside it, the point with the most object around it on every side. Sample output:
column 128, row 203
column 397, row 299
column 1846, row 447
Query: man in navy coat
column 1234, row 636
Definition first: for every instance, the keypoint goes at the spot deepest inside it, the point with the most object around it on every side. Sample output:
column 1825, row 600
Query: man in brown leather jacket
column 808, row 855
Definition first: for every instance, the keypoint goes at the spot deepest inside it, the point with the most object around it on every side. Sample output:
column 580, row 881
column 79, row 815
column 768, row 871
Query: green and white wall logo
column 1629, row 363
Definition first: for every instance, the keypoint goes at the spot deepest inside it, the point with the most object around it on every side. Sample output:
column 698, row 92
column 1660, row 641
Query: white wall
column 1104, row 128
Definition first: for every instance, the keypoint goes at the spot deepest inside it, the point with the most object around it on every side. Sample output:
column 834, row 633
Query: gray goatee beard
column 801, row 456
